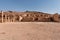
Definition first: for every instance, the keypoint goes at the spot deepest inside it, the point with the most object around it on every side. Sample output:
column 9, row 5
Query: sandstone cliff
column 29, row 16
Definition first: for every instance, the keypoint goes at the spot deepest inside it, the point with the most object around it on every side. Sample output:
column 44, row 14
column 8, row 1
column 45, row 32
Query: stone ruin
column 28, row 16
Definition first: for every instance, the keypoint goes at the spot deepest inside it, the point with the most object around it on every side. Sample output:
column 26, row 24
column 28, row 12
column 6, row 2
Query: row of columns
column 6, row 18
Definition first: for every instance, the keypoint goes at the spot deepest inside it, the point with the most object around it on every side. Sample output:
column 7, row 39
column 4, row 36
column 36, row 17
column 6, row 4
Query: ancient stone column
column 13, row 19
column 5, row 18
column 8, row 19
column 2, row 16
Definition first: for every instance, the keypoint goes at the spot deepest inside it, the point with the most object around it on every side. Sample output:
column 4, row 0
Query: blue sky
column 49, row 6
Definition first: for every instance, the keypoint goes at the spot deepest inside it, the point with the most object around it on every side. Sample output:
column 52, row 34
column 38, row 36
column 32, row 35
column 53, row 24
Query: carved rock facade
column 28, row 17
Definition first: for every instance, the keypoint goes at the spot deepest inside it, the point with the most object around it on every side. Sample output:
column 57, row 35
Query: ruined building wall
column 29, row 17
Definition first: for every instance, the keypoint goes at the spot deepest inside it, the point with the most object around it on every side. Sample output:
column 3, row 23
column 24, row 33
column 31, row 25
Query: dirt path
column 30, row 31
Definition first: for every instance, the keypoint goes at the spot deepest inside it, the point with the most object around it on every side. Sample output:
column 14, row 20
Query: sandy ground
column 30, row 31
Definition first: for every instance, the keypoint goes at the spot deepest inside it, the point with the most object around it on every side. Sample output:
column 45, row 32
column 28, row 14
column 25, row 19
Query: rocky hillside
column 29, row 16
